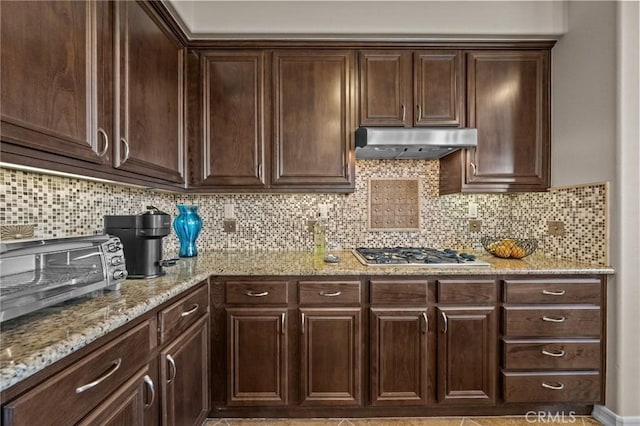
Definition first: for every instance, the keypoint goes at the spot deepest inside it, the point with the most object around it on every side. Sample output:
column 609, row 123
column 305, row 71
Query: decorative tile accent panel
column 394, row 204
column 60, row 207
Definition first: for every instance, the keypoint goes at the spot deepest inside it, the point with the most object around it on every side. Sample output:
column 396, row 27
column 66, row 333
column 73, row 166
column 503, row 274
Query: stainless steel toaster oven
column 39, row 273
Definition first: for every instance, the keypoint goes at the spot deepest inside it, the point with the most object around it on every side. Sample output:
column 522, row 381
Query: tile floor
column 409, row 421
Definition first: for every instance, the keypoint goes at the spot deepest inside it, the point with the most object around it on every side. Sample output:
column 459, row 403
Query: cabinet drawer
column 553, row 291
column 178, row 317
column 329, row 292
column 544, row 321
column 552, row 387
column 467, row 291
column 69, row 395
column 399, row 292
column 257, row 292
column 551, row 354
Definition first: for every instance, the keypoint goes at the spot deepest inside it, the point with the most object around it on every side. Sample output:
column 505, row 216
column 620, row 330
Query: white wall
column 268, row 18
column 583, row 82
column 624, row 354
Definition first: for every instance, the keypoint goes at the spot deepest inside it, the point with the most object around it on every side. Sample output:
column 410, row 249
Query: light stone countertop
column 30, row 343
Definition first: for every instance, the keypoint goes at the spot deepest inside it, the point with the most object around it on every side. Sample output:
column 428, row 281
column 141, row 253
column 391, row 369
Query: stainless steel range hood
column 427, row 143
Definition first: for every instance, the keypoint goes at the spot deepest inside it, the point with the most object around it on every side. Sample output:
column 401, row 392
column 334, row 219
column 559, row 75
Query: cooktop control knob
column 120, row 275
column 116, row 260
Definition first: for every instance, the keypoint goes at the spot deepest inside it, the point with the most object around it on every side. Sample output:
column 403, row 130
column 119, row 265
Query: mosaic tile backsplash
column 59, row 207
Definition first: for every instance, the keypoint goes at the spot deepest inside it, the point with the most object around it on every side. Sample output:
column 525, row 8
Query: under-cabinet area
column 423, row 345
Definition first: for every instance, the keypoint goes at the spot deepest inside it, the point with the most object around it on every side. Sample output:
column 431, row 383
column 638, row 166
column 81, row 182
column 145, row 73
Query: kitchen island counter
column 30, row 343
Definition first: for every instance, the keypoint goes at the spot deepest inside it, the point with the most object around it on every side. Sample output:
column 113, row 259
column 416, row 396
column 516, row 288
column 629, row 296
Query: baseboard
column 609, row 418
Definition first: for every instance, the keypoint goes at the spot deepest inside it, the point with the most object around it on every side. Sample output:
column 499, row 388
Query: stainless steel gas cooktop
column 416, row 256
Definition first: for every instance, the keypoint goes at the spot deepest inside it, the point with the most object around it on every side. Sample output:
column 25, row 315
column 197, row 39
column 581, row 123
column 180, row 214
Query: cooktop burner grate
column 415, row 256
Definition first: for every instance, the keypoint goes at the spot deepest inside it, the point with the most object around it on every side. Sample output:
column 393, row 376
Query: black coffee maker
column 141, row 236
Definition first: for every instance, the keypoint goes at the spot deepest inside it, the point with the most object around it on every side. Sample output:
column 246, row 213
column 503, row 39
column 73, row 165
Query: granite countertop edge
column 154, row 292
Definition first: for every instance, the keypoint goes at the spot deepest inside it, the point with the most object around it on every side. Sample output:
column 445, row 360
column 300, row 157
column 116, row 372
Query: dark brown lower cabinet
column 131, row 404
column 398, row 356
column 257, row 357
column 331, row 360
column 467, row 355
column 184, row 373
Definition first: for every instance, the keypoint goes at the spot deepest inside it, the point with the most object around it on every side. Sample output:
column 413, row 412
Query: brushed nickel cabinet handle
column 126, row 150
column 174, row 370
column 152, row 390
column 553, row 293
column 404, row 112
column 282, row 322
column 445, row 326
column 114, row 367
column 330, row 294
column 426, row 322
column 102, row 133
column 260, row 171
column 557, row 354
column 251, row 293
column 419, row 113
column 553, row 319
column 556, row 386
column 190, row 311
column 473, row 162
column 302, row 320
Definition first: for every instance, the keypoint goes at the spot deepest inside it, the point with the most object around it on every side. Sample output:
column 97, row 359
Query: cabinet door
column 130, row 404
column 314, row 125
column 385, row 88
column 257, row 357
column 467, row 348
column 184, row 375
column 438, row 88
column 55, row 56
column 331, row 358
column 398, row 356
column 233, row 119
column 508, row 102
column 149, row 95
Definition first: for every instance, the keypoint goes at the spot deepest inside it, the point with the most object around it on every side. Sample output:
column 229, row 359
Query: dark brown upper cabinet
column 508, row 102
column 232, row 152
column 55, row 57
column 313, row 120
column 149, row 115
column 410, row 88
column 92, row 86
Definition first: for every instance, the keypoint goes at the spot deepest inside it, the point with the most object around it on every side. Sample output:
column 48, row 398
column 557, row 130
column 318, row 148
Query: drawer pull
column 152, row 390
column 174, row 370
column 556, row 386
column 557, row 354
column 251, row 293
column 445, row 325
column 190, row 311
column 553, row 293
column 330, row 294
column 114, row 367
column 553, row 319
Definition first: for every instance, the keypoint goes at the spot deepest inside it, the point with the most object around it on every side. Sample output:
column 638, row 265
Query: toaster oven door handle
column 115, row 365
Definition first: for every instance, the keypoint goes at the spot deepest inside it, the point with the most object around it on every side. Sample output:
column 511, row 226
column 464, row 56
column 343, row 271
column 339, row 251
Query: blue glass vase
column 187, row 226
